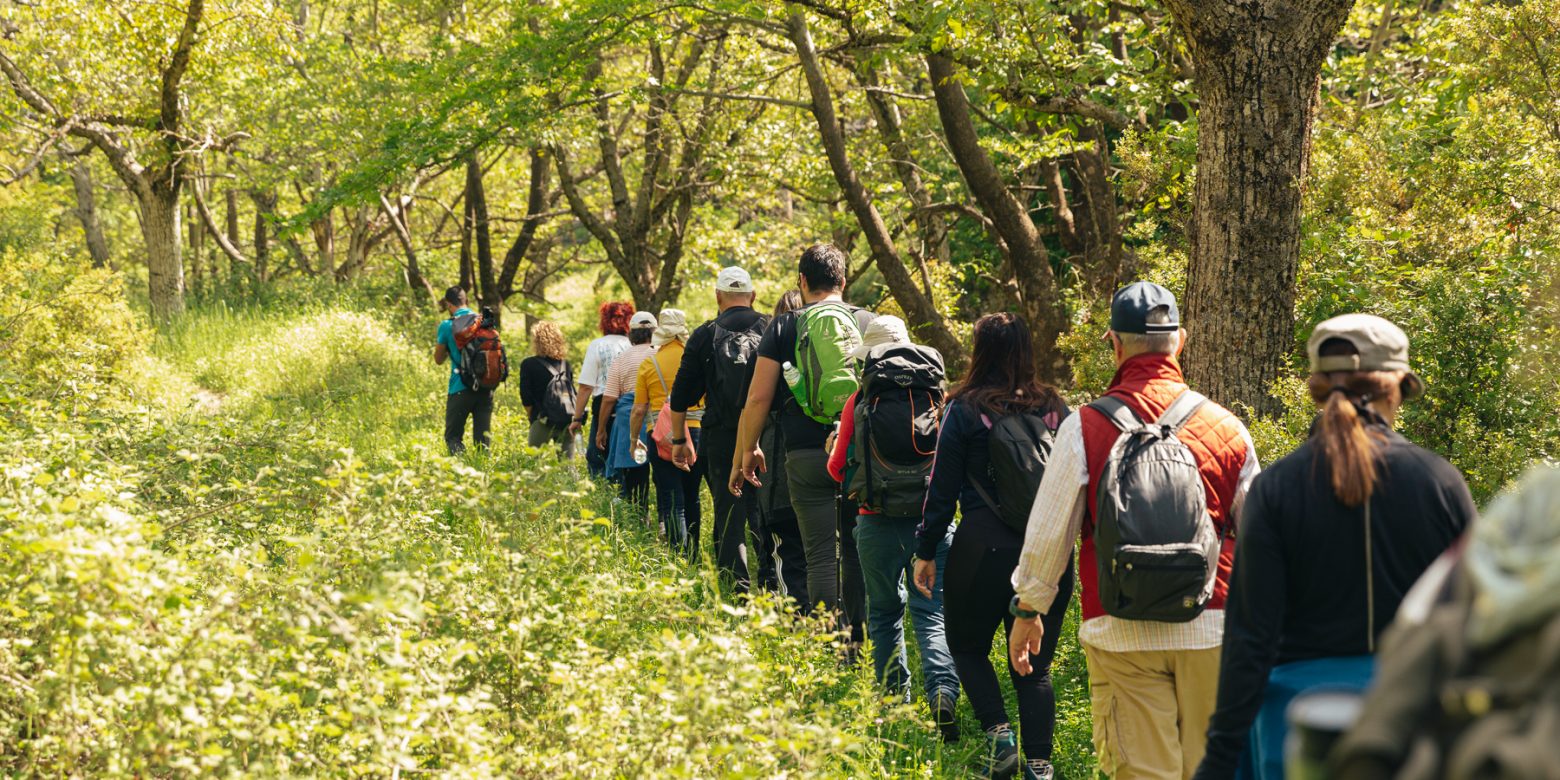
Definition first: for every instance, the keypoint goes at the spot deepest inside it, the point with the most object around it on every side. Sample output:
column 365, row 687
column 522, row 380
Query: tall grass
column 287, row 576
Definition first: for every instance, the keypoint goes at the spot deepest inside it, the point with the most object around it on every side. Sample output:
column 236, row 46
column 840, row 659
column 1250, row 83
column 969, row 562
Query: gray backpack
column 1155, row 545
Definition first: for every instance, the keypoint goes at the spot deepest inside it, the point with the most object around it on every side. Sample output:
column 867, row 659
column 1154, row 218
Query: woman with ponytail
column 1331, row 538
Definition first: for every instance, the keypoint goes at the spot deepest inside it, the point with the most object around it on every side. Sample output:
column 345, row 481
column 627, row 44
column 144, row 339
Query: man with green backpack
column 804, row 365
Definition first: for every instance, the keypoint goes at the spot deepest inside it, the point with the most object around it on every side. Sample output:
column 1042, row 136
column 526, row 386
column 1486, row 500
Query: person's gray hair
column 1145, row 343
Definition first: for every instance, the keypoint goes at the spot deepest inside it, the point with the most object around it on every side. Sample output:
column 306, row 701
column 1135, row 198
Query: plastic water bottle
column 793, row 380
column 641, row 454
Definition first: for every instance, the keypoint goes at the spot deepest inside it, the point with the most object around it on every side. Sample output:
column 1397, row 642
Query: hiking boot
column 946, row 715
column 1004, row 752
column 1039, row 769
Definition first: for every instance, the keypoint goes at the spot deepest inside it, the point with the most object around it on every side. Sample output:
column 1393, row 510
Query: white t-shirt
column 598, row 360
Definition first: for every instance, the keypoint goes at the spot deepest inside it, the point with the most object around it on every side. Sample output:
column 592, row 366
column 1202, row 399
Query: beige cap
column 642, row 319
column 1379, row 346
column 885, row 329
column 734, row 280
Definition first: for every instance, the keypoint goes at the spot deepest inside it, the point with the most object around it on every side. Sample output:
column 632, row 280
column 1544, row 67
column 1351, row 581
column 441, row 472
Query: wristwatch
column 679, row 441
column 1020, row 612
column 580, row 420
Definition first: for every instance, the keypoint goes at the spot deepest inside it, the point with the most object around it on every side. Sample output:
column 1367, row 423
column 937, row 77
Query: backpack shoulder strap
column 1182, row 410
column 658, row 375
column 1117, row 411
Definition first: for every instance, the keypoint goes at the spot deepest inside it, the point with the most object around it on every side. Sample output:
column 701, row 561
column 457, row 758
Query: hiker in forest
column 676, row 488
column 614, row 434
column 1151, row 476
column 1331, row 538
column 786, row 567
column 612, row 318
column 804, row 365
column 1467, row 680
column 547, row 389
column 1000, row 408
column 883, row 455
column 461, row 402
column 716, row 369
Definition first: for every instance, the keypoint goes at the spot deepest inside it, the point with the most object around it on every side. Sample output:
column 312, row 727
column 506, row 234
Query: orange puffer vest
column 1149, row 384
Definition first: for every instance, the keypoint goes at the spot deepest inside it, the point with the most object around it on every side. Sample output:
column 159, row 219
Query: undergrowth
column 246, row 554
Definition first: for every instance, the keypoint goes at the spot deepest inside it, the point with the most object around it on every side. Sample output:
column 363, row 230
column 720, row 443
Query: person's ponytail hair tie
column 1352, row 449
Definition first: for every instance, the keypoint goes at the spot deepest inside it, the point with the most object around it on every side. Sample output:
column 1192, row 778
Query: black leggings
column 977, row 588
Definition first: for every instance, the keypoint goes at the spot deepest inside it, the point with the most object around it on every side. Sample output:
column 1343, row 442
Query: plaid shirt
column 1054, row 526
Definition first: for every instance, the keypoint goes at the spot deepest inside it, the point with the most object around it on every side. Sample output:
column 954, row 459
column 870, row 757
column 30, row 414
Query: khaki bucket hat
column 1379, row 346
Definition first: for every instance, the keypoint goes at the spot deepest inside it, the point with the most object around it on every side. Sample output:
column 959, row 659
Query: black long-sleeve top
column 693, row 374
column 535, row 373
column 1298, row 589
column 963, row 460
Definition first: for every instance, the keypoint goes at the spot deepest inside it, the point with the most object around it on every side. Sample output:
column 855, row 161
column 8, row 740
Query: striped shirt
column 1055, row 523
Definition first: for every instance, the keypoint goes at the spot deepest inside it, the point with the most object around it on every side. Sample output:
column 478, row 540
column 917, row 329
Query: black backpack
column 732, row 355
column 1156, row 547
column 898, row 416
column 1020, row 444
column 557, row 406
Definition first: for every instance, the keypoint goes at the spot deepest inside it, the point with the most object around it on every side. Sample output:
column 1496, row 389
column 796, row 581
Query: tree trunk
column 1257, row 66
column 920, row 311
column 468, row 268
column 1094, row 214
column 265, row 203
column 197, row 283
column 422, row 290
column 535, row 204
column 476, row 205
column 159, row 204
column 324, row 230
column 86, row 211
column 1037, row 287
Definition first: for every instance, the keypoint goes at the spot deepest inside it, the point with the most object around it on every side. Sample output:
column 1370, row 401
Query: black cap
column 1130, row 308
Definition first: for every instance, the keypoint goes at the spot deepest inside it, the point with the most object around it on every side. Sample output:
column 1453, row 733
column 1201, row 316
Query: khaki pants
column 1151, row 710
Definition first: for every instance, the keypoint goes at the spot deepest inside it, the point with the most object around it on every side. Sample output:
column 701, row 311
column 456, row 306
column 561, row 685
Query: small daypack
column 484, row 365
column 826, row 334
column 732, row 355
column 1020, row 446
column 898, row 415
column 557, row 406
column 1156, row 547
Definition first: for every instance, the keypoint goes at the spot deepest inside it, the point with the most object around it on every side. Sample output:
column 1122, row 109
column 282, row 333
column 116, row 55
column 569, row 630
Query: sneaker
column 1039, row 769
column 1004, row 752
column 946, row 716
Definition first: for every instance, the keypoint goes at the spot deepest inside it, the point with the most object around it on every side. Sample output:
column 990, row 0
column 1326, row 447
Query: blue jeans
column 886, row 546
column 1264, row 758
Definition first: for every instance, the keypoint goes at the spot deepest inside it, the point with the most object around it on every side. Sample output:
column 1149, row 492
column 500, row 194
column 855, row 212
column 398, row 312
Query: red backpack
column 483, row 363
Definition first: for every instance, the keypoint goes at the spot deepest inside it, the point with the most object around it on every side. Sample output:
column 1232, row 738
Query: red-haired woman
column 1330, row 539
column 613, row 320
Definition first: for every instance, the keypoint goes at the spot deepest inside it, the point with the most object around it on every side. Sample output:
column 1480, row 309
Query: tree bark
column 422, row 289
column 535, row 204
column 1038, row 292
column 195, row 276
column 476, row 205
column 164, row 267
column 1258, row 67
column 232, row 216
column 324, row 231
column 86, row 212
column 265, row 204
column 919, row 309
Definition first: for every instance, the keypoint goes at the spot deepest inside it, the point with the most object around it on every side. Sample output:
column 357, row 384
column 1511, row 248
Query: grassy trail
column 259, row 562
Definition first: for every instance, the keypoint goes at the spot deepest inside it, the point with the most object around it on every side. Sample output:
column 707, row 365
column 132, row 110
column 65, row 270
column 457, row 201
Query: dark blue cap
column 1130, row 308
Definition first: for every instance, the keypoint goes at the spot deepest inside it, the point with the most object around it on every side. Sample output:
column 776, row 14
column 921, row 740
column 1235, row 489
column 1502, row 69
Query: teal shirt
column 447, row 339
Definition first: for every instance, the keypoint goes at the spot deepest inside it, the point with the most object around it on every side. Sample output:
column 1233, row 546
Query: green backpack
column 826, row 334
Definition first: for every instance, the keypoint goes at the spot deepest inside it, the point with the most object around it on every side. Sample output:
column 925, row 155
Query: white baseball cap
column 641, row 319
column 734, row 280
